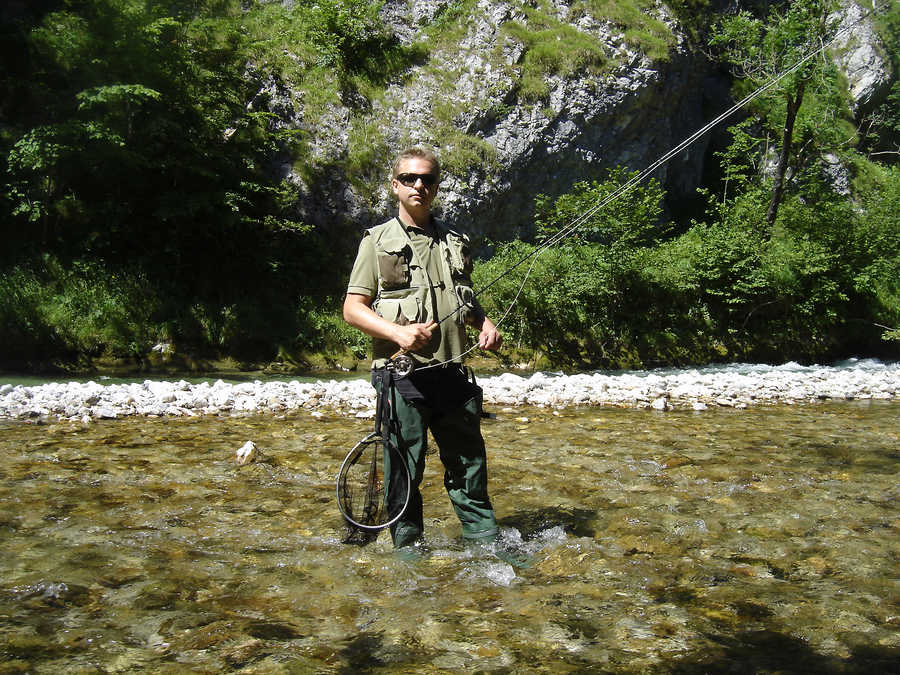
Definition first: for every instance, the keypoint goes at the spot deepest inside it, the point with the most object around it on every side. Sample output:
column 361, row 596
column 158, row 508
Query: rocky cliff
column 501, row 146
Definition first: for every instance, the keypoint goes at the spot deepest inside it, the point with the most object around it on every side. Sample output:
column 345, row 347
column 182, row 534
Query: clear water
column 763, row 540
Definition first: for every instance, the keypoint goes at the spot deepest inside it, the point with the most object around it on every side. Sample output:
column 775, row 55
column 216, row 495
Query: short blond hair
column 417, row 153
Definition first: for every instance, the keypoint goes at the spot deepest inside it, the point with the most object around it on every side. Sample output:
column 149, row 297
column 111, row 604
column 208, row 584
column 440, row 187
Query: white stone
column 247, row 453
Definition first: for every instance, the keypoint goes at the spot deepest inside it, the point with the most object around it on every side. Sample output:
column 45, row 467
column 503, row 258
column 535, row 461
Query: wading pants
column 458, row 435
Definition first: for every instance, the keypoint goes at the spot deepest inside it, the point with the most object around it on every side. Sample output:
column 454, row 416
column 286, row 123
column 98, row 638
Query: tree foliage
column 632, row 219
column 777, row 50
column 795, row 258
column 132, row 143
column 574, row 300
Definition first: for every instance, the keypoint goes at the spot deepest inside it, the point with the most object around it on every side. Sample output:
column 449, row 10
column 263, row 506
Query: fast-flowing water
column 758, row 540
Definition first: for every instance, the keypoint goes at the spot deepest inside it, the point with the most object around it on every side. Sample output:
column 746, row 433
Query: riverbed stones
column 737, row 386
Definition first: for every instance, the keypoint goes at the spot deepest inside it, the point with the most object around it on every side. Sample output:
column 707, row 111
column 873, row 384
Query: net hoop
column 349, row 461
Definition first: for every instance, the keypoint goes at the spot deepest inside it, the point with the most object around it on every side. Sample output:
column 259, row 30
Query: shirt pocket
column 401, row 311
column 394, row 256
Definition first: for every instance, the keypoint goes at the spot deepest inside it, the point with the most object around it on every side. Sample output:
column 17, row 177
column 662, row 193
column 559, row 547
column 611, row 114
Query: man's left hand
column 489, row 338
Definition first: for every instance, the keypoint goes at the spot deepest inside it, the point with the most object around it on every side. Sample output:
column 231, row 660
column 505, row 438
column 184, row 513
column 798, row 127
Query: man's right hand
column 413, row 336
column 359, row 314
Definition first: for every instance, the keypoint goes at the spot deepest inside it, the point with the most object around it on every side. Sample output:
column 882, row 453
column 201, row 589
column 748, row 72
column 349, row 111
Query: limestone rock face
column 629, row 114
column 862, row 58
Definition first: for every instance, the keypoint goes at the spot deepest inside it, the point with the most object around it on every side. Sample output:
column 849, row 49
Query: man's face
column 414, row 190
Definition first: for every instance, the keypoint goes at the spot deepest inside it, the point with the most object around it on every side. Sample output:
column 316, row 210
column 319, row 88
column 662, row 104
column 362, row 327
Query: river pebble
column 734, row 386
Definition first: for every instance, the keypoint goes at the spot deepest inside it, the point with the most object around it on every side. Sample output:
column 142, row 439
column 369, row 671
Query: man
column 410, row 289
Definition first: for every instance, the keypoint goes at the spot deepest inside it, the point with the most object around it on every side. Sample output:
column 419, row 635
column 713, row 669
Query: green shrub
column 632, row 219
column 876, row 241
column 81, row 309
column 562, row 309
column 27, row 337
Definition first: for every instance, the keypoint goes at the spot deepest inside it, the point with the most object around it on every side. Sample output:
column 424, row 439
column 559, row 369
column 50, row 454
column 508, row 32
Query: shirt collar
column 436, row 228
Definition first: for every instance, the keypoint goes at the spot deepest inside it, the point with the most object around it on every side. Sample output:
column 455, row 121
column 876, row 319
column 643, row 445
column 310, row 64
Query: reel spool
column 401, row 365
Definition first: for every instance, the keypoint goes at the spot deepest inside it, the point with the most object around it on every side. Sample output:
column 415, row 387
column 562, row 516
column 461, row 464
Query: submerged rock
column 247, row 453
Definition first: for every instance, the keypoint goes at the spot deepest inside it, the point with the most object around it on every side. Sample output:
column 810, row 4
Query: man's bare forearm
column 358, row 313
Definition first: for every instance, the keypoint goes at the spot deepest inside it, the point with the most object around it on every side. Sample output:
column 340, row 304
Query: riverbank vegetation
column 144, row 219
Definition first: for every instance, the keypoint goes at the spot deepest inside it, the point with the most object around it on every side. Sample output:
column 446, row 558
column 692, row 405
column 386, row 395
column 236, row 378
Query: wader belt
column 442, row 389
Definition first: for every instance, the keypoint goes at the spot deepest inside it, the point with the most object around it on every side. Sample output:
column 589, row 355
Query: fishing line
column 635, row 180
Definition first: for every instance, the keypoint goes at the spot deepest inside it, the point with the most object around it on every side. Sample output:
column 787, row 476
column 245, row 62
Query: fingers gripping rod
column 401, row 363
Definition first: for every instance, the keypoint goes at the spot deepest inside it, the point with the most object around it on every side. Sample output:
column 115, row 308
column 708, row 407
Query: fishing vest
column 405, row 294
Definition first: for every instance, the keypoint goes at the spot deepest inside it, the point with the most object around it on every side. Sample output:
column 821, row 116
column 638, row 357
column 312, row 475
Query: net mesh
column 373, row 486
column 368, row 501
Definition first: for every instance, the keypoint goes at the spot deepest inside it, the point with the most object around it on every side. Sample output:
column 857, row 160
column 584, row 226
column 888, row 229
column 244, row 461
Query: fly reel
column 401, row 365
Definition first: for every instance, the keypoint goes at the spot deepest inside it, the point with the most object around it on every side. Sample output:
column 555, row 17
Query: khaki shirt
column 435, row 302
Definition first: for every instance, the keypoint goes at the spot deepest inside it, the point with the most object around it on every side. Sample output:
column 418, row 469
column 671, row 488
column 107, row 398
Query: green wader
column 458, row 435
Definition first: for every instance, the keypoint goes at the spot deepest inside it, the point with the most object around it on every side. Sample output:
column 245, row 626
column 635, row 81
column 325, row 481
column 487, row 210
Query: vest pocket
column 393, row 265
column 459, row 258
column 401, row 311
column 466, row 298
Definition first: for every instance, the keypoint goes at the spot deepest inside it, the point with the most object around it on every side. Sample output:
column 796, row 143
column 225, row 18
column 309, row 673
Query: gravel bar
column 733, row 386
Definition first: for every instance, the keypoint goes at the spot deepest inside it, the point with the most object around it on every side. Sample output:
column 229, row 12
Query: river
column 725, row 540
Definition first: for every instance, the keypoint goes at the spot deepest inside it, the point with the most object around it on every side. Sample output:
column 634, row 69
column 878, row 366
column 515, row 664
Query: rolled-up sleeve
column 364, row 277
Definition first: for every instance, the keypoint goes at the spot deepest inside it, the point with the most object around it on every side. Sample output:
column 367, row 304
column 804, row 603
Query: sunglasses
column 409, row 179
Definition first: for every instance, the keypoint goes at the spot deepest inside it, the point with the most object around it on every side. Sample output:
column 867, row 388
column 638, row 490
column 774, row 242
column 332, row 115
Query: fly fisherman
column 410, row 273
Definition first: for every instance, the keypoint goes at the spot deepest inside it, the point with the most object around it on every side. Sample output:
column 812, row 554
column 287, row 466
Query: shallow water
column 759, row 540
